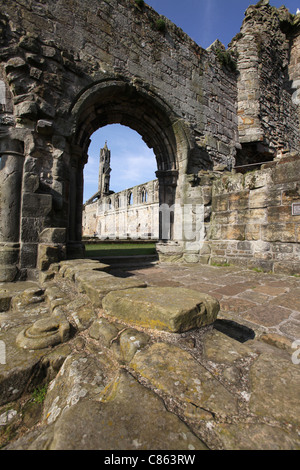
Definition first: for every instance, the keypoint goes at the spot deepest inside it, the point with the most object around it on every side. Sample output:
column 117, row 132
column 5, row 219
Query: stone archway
column 119, row 102
column 57, row 87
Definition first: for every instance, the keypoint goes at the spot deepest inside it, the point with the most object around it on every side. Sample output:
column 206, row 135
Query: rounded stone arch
column 117, row 101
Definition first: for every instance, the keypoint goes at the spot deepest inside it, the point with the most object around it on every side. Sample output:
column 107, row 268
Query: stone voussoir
column 174, row 310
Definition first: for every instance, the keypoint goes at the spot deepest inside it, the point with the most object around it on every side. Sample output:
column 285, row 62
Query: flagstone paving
column 117, row 384
column 266, row 303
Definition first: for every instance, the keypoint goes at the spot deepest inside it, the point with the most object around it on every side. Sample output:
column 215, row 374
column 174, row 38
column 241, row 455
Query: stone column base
column 49, row 254
column 170, row 251
column 9, row 259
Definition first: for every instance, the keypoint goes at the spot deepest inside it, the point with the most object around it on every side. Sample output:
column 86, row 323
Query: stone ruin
column 113, row 349
column 129, row 214
column 209, row 115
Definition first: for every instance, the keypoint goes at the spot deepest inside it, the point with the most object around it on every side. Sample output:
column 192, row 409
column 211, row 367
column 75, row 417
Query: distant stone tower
column 104, row 172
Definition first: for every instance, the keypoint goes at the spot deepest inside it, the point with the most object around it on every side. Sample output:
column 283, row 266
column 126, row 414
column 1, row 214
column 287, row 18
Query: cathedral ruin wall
column 129, row 214
column 205, row 113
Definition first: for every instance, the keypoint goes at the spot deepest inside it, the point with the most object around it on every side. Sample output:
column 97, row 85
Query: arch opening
column 115, row 180
column 141, row 111
column 128, row 162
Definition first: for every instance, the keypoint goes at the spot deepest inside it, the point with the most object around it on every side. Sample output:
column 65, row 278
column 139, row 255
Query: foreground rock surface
column 118, row 386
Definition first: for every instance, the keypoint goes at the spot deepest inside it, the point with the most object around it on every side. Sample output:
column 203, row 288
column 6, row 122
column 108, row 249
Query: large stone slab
column 275, row 388
column 176, row 373
column 129, row 417
column 98, row 284
column 163, row 308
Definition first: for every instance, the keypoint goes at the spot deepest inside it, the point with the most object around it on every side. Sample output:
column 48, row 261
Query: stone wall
column 129, row 214
column 268, row 51
column 199, row 110
column 60, row 87
column 252, row 223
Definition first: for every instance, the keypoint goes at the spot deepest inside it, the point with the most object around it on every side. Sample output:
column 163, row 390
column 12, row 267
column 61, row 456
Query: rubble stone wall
column 123, row 66
column 268, row 51
column 68, row 68
column 252, row 222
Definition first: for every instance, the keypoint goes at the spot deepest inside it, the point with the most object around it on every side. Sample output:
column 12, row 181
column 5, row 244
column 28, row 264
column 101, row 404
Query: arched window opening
column 118, row 159
column 126, row 165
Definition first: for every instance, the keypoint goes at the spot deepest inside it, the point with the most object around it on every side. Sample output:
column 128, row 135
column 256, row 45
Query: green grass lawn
column 101, row 250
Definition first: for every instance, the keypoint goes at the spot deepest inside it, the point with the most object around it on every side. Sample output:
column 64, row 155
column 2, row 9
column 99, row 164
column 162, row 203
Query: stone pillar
column 167, row 193
column 11, row 169
column 72, row 201
column 75, row 248
column 79, row 202
column 168, row 248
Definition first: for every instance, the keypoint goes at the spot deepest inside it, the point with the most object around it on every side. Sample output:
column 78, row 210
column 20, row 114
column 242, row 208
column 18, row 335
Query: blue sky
column 204, row 21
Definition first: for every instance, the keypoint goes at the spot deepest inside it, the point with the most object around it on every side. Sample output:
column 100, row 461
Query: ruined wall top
column 64, row 49
column 268, row 80
column 69, row 67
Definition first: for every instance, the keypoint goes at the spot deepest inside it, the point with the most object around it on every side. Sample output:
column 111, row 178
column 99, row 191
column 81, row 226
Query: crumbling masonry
column 69, row 67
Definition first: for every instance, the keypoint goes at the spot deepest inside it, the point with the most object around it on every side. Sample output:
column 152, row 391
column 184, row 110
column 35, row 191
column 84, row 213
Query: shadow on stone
column 234, row 330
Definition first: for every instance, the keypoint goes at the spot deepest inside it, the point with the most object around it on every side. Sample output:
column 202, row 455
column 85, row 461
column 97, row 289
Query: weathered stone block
column 28, row 255
column 48, row 254
column 44, row 333
column 30, row 229
column 263, row 396
column 32, row 295
column 253, row 216
column 244, row 246
column 258, row 179
column 291, row 194
column 253, row 232
column 27, row 109
column 132, row 341
column 125, row 402
column 279, row 232
column 53, row 235
column 179, row 375
column 103, row 331
column 99, row 285
column 220, row 203
column 9, row 253
column 36, row 204
column 287, row 172
column 290, row 268
column 264, row 198
column 233, row 232
column 169, row 309
column 31, row 182
column 281, row 214
column 239, row 200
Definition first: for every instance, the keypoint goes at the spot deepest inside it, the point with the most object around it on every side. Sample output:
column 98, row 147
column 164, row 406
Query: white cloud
column 132, row 169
